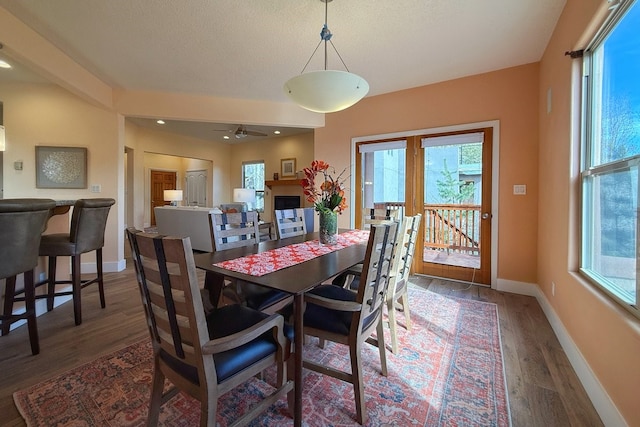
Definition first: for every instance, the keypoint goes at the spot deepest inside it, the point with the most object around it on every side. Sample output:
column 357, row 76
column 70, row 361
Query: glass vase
column 328, row 227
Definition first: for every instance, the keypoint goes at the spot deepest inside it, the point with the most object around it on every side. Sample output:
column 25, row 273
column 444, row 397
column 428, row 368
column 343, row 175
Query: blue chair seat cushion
column 264, row 300
column 222, row 322
column 326, row 319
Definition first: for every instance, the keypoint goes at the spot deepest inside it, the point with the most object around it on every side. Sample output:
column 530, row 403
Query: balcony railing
column 448, row 227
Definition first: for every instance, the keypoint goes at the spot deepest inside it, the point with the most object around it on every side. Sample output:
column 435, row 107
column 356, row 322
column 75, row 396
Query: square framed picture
column 288, row 167
column 61, row 167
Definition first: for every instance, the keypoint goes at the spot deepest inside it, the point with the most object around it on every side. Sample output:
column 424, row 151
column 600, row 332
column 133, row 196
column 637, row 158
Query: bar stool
column 86, row 234
column 22, row 222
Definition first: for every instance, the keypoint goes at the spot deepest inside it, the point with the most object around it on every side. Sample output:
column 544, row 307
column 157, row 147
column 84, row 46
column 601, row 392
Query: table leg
column 298, row 328
column 214, row 283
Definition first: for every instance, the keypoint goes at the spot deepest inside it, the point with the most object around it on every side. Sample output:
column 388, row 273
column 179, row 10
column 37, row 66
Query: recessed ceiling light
column 277, row 132
column 226, row 137
column 160, row 122
column 4, row 64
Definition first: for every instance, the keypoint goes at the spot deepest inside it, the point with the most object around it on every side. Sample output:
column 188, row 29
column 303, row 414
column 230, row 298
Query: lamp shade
column 326, row 91
column 172, row 195
column 246, row 195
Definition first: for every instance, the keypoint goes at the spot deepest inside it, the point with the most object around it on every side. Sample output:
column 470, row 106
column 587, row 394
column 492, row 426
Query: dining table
column 295, row 276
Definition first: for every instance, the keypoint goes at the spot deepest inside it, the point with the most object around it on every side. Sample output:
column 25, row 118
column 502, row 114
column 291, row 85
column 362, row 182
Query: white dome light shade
column 326, row 91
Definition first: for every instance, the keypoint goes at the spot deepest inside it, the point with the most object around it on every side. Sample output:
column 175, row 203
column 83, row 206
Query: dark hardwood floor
column 542, row 387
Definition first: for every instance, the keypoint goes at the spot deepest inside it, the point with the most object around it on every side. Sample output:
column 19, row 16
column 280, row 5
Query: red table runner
column 277, row 259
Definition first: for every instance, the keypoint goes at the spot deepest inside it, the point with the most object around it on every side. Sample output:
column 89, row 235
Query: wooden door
column 455, row 188
column 160, row 181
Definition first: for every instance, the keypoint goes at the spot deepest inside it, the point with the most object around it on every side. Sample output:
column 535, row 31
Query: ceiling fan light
column 326, row 91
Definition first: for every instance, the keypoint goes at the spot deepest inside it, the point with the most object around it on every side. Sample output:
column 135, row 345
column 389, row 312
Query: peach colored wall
column 45, row 114
column 299, row 147
column 608, row 336
column 510, row 96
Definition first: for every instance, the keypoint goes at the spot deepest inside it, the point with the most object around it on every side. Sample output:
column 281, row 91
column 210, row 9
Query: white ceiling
column 247, row 49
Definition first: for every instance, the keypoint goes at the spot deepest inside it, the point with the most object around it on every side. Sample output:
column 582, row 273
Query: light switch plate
column 520, row 189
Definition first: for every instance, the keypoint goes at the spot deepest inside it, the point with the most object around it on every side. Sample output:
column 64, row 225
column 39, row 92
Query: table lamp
column 244, row 195
column 173, row 196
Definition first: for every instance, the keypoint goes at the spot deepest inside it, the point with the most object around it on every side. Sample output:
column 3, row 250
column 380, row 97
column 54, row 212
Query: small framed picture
column 288, row 168
column 61, row 167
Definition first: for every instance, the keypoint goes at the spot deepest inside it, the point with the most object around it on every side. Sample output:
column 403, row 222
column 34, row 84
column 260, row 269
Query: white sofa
column 183, row 221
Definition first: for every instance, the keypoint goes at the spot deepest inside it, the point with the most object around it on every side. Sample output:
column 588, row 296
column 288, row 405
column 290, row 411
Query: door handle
column 486, row 215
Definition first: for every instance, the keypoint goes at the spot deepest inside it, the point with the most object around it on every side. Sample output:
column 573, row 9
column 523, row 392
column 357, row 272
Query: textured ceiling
column 247, row 49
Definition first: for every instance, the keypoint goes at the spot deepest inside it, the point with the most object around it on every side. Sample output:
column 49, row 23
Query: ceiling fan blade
column 254, row 133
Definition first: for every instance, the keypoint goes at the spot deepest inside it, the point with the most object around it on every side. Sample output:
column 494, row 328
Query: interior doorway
column 160, row 181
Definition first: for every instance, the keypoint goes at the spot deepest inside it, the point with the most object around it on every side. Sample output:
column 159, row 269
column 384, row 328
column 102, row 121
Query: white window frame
column 260, row 192
column 592, row 169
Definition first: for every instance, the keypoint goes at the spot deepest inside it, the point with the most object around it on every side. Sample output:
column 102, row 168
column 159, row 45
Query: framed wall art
column 61, row 167
column 288, row 168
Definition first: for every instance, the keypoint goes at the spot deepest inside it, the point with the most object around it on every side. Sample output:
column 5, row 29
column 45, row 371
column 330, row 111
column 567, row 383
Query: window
column 610, row 256
column 253, row 177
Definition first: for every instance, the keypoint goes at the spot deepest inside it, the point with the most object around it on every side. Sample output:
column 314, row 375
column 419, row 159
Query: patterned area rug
column 449, row 372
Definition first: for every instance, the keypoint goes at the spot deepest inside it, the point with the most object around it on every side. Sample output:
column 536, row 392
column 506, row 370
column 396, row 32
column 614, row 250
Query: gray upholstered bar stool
column 22, row 222
column 86, row 234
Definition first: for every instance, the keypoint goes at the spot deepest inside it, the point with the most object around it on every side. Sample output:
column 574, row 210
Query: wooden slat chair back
column 199, row 353
column 233, row 230
column 337, row 314
column 290, row 222
column 400, row 270
column 378, row 216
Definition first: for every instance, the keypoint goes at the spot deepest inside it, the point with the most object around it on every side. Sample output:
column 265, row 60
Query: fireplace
column 286, row 202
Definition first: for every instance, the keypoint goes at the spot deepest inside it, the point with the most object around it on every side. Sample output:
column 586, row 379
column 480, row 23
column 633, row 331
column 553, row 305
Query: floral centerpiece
column 328, row 199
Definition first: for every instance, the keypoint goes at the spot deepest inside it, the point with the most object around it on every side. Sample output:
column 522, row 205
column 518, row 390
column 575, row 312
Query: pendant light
column 326, row 91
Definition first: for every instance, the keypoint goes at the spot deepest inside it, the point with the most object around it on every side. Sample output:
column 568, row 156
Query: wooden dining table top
column 295, row 279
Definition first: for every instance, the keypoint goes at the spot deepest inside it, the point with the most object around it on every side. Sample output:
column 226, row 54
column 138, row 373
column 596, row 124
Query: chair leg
column 291, row 396
column 30, row 307
column 155, row 402
column 393, row 331
column 208, row 410
column 381, row 347
column 51, row 282
column 100, row 277
column 9, row 295
column 405, row 306
column 358, row 385
column 76, row 288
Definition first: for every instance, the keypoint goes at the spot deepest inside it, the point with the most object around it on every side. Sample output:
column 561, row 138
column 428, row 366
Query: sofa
column 184, row 221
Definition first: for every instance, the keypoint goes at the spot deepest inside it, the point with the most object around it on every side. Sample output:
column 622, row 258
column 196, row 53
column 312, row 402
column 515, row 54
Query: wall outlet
column 553, row 289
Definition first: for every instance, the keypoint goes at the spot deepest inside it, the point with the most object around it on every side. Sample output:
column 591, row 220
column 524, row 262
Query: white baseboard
column 600, row 399
column 107, row 267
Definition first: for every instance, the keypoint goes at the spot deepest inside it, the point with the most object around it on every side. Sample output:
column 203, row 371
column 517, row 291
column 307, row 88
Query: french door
column 446, row 177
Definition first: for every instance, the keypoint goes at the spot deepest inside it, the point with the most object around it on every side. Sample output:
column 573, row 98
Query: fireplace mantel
column 286, row 182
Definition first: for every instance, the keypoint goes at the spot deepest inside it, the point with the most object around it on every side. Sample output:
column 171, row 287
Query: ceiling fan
column 241, row 131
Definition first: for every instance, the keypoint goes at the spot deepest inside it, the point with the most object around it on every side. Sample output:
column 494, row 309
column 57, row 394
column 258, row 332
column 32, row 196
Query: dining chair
column 373, row 216
column 204, row 355
column 398, row 277
column 336, row 314
column 290, row 222
column 233, row 230
column 22, row 222
column 86, row 234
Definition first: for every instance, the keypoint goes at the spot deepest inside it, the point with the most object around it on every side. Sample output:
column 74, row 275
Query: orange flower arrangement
column 330, row 196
